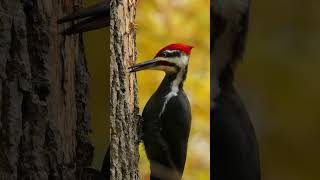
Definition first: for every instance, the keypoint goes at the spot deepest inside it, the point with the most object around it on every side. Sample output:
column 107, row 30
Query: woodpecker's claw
column 91, row 18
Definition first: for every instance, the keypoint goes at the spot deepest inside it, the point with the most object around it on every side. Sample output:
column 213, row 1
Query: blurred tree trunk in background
column 123, row 92
column 44, row 119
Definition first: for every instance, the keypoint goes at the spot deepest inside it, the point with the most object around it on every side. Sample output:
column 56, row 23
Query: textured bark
column 123, row 96
column 44, row 119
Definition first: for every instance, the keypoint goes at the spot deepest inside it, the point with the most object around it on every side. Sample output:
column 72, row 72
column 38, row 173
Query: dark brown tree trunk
column 123, row 96
column 44, row 119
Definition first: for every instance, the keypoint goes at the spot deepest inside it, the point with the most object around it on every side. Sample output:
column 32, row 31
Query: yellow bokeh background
column 162, row 22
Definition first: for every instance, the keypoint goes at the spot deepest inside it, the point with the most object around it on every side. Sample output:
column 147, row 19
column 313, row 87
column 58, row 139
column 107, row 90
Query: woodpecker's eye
column 164, row 54
column 170, row 54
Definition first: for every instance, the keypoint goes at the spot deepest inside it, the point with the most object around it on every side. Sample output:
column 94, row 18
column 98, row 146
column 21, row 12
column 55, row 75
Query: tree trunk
column 44, row 118
column 123, row 96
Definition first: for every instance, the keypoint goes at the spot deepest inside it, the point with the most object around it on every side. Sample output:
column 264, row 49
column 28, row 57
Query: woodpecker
column 167, row 114
column 235, row 148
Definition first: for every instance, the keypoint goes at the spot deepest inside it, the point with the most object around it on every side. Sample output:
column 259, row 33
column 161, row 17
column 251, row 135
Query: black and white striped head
column 170, row 59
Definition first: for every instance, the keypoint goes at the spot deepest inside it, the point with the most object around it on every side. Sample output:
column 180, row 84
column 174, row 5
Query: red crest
column 177, row 46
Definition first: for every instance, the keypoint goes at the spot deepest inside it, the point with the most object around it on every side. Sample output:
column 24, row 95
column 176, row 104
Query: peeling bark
column 44, row 118
column 123, row 92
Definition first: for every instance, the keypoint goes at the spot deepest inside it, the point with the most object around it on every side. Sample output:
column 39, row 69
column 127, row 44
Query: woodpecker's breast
column 174, row 92
column 169, row 106
column 177, row 113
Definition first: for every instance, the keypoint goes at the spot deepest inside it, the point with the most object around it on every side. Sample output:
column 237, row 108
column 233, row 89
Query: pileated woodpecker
column 235, row 148
column 167, row 114
column 91, row 18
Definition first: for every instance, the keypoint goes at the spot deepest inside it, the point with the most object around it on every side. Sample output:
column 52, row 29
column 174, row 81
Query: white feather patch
column 182, row 63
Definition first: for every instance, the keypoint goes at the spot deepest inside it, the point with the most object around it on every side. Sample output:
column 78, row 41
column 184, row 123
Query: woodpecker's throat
column 175, row 83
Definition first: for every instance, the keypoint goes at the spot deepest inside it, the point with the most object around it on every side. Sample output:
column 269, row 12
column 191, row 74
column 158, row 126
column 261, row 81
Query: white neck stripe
column 174, row 90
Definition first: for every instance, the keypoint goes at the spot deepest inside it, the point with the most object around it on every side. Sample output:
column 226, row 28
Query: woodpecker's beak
column 91, row 18
column 144, row 65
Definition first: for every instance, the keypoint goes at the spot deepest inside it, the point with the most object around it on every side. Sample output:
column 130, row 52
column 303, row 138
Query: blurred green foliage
column 161, row 22
column 279, row 83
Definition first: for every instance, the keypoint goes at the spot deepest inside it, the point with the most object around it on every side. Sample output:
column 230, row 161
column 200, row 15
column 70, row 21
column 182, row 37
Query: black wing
column 176, row 121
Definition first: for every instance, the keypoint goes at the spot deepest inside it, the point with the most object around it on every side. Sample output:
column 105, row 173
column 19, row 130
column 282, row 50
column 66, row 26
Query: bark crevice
column 44, row 128
column 125, row 125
